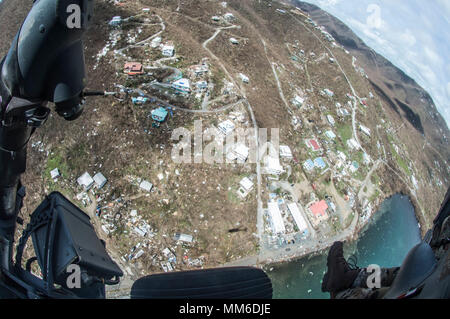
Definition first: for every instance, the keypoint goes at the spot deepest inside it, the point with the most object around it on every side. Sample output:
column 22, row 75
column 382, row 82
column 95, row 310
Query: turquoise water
column 385, row 241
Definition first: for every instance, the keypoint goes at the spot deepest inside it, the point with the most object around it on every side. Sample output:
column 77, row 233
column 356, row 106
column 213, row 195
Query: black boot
column 340, row 275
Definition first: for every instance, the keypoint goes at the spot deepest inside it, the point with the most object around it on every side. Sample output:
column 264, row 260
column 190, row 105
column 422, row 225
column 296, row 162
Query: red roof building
column 315, row 146
column 319, row 208
column 133, row 68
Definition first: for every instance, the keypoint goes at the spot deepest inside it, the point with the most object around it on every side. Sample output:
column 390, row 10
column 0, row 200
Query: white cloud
column 407, row 38
column 432, row 56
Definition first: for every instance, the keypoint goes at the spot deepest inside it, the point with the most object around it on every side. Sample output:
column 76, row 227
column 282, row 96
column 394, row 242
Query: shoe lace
column 352, row 262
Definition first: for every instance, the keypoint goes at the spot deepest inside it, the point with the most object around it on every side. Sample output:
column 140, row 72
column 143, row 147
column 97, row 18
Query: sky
column 412, row 34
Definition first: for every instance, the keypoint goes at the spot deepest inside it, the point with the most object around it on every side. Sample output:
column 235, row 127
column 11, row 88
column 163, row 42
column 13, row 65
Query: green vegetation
column 345, row 132
column 218, row 80
column 374, row 196
column 56, row 160
column 77, row 157
column 375, row 179
column 232, row 196
column 400, row 161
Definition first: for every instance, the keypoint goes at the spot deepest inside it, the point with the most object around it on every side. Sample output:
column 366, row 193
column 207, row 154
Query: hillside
column 368, row 130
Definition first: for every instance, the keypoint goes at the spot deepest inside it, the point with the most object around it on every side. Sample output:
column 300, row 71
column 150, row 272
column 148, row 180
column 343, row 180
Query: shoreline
column 321, row 248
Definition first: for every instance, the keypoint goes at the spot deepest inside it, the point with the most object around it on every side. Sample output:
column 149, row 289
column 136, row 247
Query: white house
column 54, row 174
column 201, row 85
column 85, row 181
column 246, row 186
column 285, row 151
column 330, row 120
column 272, row 166
column 366, row 159
column 226, row 127
column 244, row 78
column 364, row 129
column 99, row 180
column 228, row 16
column 298, row 101
column 146, row 186
column 353, row 144
column 276, row 221
column 168, row 50
column 115, row 21
column 330, row 134
column 182, row 85
column 234, row 41
column 215, row 18
column 298, row 218
column 183, row 237
column 241, row 152
column 156, row 42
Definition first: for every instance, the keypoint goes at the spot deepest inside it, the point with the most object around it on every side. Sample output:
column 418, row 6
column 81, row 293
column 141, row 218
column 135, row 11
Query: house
column 234, row 41
column 330, row 119
column 182, row 86
column 308, row 165
column 328, row 92
column 240, row 151
column 330, row 135
column 168, row 50
column 343, row 112
column 183, row 237
column 146, row 186
column 229, row 16
column 156, row 42
column 244, row 78
column 341, row 156
column 146, row 10
column 285, row 151
column 139, row 100
column 272, row 166
column 353, row 144
column 312, row 143
column 354, row 167
column 133, row 68
column 201, row 85
column 115, row 21
column 85, row 181
column 365, row 130
column 319, row 163
column 215, row 18
column 159, row 114
column 246, row 186
column 226, row 127
column 298, row 101
column 319, row 210
column 54, row 174
column 200, row 69
column 100, row 180
column 298, row 218
column 366, row 159
column 276, row 221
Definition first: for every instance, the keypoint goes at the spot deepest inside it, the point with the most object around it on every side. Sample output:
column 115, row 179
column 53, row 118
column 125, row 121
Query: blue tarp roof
column 159, row 114
column 319, row 162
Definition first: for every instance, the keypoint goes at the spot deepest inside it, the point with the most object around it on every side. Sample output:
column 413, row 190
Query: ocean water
column 385, row 241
